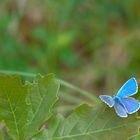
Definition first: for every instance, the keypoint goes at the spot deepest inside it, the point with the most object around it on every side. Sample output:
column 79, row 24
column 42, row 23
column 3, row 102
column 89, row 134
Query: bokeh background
column 94, row 44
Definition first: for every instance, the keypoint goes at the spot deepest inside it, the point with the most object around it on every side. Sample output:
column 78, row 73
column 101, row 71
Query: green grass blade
column 70, row 98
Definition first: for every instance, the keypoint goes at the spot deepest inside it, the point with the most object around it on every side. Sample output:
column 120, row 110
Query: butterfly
column 122, row 103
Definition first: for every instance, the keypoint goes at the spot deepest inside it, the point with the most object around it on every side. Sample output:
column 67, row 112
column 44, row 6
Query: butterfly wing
column 128, row 89
column 120, row 110
column 107, row 99
column 131, row 105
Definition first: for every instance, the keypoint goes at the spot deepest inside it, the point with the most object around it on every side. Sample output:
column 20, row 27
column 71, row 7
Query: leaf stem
column 70, row 97
column 62, row 82
column 26, row 74
column 83, row 92
column 65, row 108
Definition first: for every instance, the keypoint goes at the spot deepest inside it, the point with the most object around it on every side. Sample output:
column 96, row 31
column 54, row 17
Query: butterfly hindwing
column 130, row 104
column 122, row 103
column 107, row 99
column 120, row 110
column 128, row 89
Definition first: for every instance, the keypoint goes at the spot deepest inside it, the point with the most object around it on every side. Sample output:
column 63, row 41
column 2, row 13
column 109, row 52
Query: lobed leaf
column 13, row 107
column 42, row 96
column 98, row 123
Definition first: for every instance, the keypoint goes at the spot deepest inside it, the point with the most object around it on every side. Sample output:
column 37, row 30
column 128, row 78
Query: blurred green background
column 94, row 44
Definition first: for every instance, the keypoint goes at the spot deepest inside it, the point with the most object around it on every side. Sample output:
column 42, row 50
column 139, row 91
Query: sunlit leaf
column 1, row 134
column 136, row 137
column 43, row 135
column 97, row 123
column 13, row 108
column 42, row 95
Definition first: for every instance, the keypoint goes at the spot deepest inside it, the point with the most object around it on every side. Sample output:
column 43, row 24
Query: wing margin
column 128, row 89
column 107, row 99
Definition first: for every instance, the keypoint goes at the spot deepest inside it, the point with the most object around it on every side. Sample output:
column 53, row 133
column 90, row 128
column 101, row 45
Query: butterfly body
column 117, row 100
column 122, row 103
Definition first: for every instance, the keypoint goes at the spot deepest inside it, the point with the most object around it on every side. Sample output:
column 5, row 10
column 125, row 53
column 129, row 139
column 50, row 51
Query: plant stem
column 71, row 98
column 62, row 82
column 65, row 108
column 18, row 73
column 83, row 92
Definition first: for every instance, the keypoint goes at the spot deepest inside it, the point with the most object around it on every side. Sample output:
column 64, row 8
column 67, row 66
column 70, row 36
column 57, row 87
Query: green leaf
column 136, row 137
column 1, row 134
column 42, row 95
column 96, row 123
column 13, row 108
column 43, row 135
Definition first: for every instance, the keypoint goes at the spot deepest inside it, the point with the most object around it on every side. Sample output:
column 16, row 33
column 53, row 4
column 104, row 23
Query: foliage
column 26, row 110
column 24, row 107
column 98, row 41
column 92, row 44
column 13, row 105
column 91, row 123
column 78, row 37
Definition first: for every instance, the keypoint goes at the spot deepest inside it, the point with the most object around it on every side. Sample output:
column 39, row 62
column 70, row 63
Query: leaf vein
column 88, row 133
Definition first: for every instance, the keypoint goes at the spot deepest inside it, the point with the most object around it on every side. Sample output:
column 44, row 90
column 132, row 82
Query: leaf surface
column 136, row 137
column 97, row 123
column 13, row 107
column 42, row 95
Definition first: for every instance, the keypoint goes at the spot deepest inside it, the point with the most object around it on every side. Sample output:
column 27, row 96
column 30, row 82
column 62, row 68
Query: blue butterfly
column 122, row 103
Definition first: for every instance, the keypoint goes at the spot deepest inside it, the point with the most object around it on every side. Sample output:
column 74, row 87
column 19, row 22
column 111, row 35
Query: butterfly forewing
column 107, row 99
column 128, row 89
column 122, row 103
